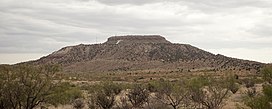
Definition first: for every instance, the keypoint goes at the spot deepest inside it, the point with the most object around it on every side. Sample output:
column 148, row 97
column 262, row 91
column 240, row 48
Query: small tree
column 208, row 92
column 138, row 96
column 25, row 87
column 231, row 83
column 172, row 94
column 105, row 97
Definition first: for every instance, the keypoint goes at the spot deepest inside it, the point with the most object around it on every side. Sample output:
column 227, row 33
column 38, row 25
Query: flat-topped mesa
column 131, row 39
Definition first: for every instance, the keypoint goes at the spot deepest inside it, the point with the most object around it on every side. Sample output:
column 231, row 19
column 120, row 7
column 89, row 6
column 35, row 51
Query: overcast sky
column 30, row 29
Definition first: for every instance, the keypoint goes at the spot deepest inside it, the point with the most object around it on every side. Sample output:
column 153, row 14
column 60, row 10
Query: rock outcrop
column 132, row 39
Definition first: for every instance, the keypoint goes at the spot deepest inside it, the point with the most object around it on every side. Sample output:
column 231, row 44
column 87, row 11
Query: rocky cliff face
column 132, row 39
column 140, row 53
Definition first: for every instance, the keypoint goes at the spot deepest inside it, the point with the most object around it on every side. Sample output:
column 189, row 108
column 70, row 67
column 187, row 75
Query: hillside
column 134, row 52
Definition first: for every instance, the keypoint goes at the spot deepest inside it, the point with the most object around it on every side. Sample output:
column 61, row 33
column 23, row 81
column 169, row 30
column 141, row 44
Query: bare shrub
column 78, row 103
column 251, row 92
column 124, row 103
column 92, row 103
column 172, row 94
column 138, row 96
column 249, row 82
column 231, row 83
column 105, row 96
column 208, row 92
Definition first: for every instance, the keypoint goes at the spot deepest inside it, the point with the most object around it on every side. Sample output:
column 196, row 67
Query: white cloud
column 261, row 55
column 46, row 25
column 18, row 57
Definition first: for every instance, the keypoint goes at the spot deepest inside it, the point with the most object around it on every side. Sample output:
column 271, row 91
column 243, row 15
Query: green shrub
column 64, row 94
column 267, row 90
column 24, row 86
column 104, row 96
column 152, row 86
column 267, row 74
column 231, row 83
column 260, row 102
column 209, row 92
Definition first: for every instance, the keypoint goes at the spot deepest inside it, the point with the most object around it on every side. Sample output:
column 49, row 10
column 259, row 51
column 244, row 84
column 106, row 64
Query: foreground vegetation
column 27, row 87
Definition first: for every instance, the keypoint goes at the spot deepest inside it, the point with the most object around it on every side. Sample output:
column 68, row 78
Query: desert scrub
column 65, row 93
column 24, row 86
column 209, row 92
column 264, row 100
column 104, row 96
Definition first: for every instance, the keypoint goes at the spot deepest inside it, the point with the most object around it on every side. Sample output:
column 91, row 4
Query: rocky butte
column 142, row 52
column 132, row 39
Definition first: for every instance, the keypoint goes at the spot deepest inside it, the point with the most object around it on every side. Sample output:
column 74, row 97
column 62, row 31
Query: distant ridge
column 142, row 52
